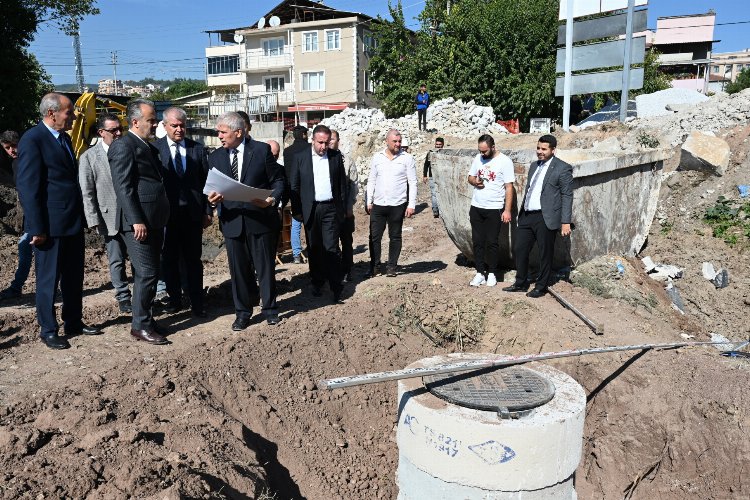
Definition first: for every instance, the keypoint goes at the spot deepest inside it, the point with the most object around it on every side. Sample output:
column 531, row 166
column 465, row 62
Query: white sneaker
column 478, row 280
column 491, row 280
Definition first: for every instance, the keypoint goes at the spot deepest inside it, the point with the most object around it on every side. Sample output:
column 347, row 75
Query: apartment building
column 301, row 62
column 726, row 66
column 685, row 43
column 109, row 86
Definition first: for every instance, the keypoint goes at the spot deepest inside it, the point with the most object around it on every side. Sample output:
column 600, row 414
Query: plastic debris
column 717, row 337
column 708, row 271
column 677, row 302
column 744, row 190
column 648, row 264
column 721, row 280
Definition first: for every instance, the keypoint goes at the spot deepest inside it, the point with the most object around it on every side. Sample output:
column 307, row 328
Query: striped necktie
column 234, row 165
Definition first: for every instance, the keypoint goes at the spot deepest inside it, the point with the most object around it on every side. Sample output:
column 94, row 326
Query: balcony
column 258, row 60
column 285, row 97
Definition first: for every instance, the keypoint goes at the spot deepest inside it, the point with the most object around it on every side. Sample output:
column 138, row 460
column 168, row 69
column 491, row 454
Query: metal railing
column 257, row 59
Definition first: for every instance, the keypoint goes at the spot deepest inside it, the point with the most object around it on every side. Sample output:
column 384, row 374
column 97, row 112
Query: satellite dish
column 274, row 21
column 261, row 23
column 238, row 38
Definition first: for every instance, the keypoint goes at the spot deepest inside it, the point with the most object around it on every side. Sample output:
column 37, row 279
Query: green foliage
column 647, row 140
column 729, row 220
column 24, row 81
column 500, row 53
column 742, row 82
column 179, row 88
column 653, row 79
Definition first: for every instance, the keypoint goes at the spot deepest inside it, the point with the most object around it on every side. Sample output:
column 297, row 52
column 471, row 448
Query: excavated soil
column 218, row 414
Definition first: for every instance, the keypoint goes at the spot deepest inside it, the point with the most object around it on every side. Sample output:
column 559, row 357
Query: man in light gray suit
column 100, row 203
column 142, row 211
column 547, row 208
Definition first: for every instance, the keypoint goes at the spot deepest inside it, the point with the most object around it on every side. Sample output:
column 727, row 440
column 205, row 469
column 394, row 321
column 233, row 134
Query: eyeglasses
column 113, row 130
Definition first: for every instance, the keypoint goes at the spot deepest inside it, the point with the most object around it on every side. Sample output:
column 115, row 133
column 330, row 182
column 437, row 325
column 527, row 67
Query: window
column 273, row 47
column 314, row 81
column 714, row 69
column 222, row 65
column 369, row 83
column 274, row 83
column 310, row 41
column 370, row 43
column 333, row 39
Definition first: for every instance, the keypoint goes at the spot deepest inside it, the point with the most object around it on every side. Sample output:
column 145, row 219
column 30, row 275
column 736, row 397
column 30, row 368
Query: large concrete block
column 705, row 152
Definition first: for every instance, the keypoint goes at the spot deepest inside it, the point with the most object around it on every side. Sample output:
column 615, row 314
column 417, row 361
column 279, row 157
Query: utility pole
column 114, row 69
column 79, row 61
column 448, row 8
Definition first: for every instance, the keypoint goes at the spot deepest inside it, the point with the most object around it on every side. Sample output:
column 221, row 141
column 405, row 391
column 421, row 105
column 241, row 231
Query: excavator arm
column 87, row 108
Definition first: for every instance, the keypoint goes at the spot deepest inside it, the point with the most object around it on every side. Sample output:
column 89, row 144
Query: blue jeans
column 25, row 256
column 296, row 238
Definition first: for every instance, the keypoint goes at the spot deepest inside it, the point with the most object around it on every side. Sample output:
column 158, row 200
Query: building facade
column 301, row 62
column 726, row 66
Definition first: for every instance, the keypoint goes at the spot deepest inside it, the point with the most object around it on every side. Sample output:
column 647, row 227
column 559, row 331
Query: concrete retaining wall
column 614, row 201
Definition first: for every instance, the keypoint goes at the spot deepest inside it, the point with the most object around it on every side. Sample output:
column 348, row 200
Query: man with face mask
column 492, row 176
column 47, row 183
column 142, row 212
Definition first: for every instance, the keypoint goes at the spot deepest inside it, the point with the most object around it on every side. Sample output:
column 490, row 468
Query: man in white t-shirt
column 492, row 176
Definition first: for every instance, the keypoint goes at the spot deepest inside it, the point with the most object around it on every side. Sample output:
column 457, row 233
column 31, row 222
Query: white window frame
column 302, row 80
column 270, row 77
column 369, row 83
column 274, row 39
column 325, row 39
column 304, row 41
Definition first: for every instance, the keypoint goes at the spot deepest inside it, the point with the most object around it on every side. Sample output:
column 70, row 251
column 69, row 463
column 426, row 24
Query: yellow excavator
column 87, row 108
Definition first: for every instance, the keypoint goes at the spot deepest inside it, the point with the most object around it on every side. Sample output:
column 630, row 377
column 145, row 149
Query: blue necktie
column 178, row 166
column 61, row 140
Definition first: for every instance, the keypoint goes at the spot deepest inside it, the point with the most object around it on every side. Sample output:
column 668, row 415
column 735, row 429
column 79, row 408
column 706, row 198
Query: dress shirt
column 391, row 182
column 240, row 154
column 321, row 177
column 105, row 146
column 56, row 135
column 183, row 152
column 534, row 197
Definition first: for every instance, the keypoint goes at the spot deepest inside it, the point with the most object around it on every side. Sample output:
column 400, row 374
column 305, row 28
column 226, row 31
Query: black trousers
column 183, row 240
column 346, row 236
column 324, row 256
column 59, row 261
column 247, row 252
column 144, row 257
column 422, row 119
column 531, row 228
column 485, row 231
column 380, row 216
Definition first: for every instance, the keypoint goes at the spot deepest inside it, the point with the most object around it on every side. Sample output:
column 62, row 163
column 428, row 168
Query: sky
column 165, row 39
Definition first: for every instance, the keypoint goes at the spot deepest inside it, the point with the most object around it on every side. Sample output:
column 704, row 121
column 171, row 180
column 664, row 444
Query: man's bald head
column 393, row 141
column 275, row 148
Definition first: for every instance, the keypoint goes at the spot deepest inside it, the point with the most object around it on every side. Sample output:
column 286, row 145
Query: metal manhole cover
column 508, row 389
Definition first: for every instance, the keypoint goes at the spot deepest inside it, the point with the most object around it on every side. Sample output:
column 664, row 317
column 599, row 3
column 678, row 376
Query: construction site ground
column 219, row 414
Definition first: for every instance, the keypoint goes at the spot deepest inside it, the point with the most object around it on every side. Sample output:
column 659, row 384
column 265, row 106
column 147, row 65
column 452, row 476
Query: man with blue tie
column 47, row 184
column 185, row 169
column 547, row 208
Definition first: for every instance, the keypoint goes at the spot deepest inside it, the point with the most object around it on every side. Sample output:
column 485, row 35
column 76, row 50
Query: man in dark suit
column 547, row 208
column 185, row 167
column 250, row 228
column 142, row 211
column 300, row 143
column 47, row 184
column 318, row 194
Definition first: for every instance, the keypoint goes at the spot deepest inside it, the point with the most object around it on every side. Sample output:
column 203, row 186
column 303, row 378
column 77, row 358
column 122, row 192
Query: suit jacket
column 302, row 183
column 47, row 184
column 259, row 170
column 557, row 193
column 189, row 187
column 99, row 198
column 137, row 179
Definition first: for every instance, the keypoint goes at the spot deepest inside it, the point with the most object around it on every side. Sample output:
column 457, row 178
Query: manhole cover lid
column 513, row 388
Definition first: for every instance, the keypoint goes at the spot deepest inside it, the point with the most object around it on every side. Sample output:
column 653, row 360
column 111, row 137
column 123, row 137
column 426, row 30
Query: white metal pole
column 567, row 84
column 626, row 62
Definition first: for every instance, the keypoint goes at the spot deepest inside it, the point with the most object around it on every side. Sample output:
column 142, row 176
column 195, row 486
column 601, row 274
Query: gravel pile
column 662, row 103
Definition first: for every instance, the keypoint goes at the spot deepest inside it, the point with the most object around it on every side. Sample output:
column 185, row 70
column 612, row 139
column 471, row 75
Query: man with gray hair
column 391, row 195
column 142, row 212
column 185, row 167
column 47, row 184
column 100, row 204
column 250, row 228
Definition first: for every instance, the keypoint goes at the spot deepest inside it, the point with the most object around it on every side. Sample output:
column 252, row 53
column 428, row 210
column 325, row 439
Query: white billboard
column 589, row 7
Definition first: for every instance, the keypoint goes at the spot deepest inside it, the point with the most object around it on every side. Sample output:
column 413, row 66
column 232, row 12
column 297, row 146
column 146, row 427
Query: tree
column 24, row 81
column 742, row 82
column 654, row 80
column 500, row 53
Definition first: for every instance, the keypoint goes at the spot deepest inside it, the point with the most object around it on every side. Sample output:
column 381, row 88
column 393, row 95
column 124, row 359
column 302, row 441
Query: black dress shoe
column 536, row 293
column 317, row 292
column 273, row 320
column 199, row 312
column 159, row 329
column 149, row 336
column 173, row 307
column 515, row 288
column 82, row 329
column 390, row 271
column 126, row 306
column 55, row 342
column 240, row 324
